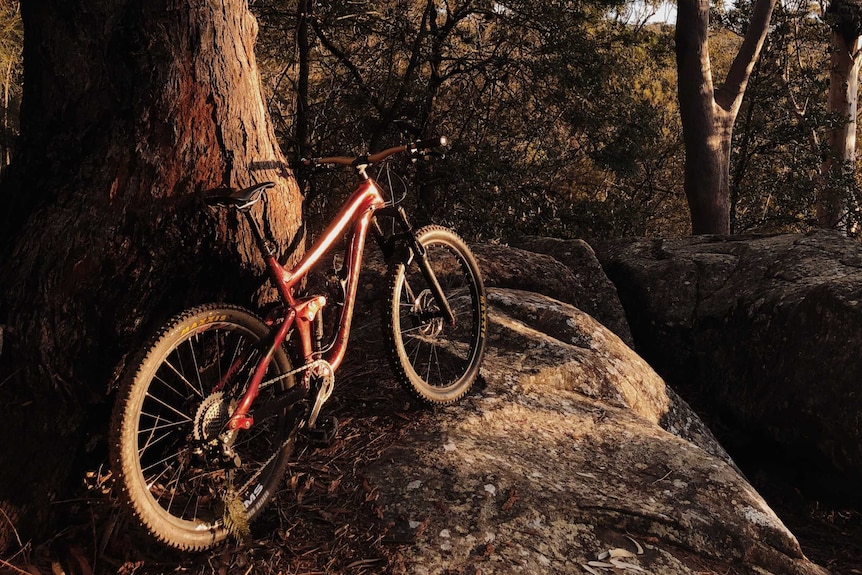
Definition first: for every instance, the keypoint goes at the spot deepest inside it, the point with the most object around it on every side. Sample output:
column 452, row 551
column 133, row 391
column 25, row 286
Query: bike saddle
column 240, row 199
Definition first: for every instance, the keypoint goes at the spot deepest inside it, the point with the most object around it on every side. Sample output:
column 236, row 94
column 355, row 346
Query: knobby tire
column 168, row 412
column 437, row 363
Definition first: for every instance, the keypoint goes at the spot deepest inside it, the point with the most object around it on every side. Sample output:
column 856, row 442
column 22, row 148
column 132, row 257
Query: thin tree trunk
column 838, row 166
column 708, row 113
column 705, row 126
column 130, row 110
column 7, row 128
column 303, row 50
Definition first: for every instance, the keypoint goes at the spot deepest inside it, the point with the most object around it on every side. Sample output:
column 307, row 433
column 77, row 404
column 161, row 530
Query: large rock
column 567, row 453
column 566, row 270
column 764, row 331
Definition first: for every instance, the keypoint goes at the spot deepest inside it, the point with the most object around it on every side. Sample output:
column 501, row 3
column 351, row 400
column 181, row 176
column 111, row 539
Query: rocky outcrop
column 763, row 331
column 567, row 271
column 565, row 463
column 573, row 457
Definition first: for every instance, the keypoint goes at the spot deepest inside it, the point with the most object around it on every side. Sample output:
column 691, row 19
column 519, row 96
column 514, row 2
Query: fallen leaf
column 640, row 549
column 420, row 529
column 619, row 552
column 364, row 562
column 513, row 498
column 624, row 565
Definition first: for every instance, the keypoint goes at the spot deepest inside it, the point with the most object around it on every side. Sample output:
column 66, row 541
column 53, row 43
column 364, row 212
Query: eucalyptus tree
column 778, row 138
column 708, row 110
column 838, row 192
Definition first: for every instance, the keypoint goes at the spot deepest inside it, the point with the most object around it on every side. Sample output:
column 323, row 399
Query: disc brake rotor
column 425, row 308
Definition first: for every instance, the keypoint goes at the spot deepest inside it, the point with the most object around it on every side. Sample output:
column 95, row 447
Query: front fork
column 405, row 246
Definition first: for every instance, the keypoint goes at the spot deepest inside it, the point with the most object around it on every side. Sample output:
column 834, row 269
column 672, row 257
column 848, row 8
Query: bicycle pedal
column 324, row 431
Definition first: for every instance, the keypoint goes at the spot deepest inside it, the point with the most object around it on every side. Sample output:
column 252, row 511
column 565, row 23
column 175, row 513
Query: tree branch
column 345, row 61
column 729, row 95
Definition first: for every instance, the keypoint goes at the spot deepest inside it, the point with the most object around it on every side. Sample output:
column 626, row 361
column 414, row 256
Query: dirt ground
column 830, row 534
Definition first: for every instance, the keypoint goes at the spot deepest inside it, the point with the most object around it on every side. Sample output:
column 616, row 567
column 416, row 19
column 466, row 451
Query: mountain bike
column 207, row 415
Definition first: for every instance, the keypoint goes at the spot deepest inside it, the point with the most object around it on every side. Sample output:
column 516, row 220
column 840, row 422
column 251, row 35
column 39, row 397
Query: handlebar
column 415, row 149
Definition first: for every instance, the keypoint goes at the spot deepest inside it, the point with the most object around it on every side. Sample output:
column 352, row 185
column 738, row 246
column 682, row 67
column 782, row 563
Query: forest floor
column 830, row 533
column 324, row 521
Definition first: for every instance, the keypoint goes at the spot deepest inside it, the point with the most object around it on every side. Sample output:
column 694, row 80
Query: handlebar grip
column 439, row 141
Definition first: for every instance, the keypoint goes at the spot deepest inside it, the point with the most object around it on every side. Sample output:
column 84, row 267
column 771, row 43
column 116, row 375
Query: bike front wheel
column 187, row 482
column 434, row 360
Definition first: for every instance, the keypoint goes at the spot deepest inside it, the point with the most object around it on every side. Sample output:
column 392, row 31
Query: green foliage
column 563, row 114
column 11, row 36
column 563, row 118
column 780, row 133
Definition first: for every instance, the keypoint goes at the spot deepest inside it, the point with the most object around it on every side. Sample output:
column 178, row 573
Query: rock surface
column 562, row 458
column 568, row 271
column 764, row 330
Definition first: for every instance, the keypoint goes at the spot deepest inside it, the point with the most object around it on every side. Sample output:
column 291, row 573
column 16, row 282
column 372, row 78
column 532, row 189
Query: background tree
column 11, row 39
column 129, row 111
column 777, row 139
column 708, row 112
column 845, row 21
column 563, row 118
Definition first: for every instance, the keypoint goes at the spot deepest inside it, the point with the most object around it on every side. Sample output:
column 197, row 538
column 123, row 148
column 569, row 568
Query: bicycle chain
column 253, row 478
column 264, row 385
column 276, row 379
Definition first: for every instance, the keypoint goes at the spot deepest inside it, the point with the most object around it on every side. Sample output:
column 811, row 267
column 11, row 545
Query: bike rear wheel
column 172, row 470
column 437, row 362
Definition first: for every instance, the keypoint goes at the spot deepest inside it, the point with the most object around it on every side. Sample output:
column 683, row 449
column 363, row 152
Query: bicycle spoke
column 439, row 372
column 195, row 362
column 182, row 378
column 151, row 442
column 418, row 348
column 152, row 481
column 159, row 427
column 170, row 387
column 184, row 417
column 176, row 481
column 428, row 371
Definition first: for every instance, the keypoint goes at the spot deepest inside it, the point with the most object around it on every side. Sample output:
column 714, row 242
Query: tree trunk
column 838, row 166
column 130, row 110
column 708, row 113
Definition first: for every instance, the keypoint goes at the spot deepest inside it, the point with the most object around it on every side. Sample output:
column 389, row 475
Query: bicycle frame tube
column 358, row 210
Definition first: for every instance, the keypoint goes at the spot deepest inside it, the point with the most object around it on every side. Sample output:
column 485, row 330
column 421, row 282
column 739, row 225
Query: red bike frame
column 358, row 211
column 301, row 313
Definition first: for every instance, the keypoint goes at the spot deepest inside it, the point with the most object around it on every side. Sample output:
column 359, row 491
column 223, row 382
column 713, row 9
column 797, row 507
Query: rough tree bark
column 708, row 113
column 131, row 110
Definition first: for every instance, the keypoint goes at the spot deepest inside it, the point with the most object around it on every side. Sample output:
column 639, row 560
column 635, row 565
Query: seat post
column 264, row 244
